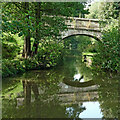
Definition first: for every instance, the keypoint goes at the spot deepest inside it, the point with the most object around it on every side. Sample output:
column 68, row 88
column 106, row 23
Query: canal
column 70, row 90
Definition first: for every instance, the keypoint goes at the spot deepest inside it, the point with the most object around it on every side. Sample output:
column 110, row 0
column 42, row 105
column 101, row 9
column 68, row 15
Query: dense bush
column 108, row 56
column 10, row 48
column 11, row 67
column 48, row 55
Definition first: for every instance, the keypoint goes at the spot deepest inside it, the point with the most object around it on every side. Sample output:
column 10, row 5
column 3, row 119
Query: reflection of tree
column 83, row 70
column 35, row 101
column 40, row 98
column 40, row 88
column 27, row 87
column 69, row 66
column 108, row 95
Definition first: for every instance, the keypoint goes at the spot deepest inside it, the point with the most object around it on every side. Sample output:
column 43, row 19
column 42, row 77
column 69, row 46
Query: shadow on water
column 67, row 91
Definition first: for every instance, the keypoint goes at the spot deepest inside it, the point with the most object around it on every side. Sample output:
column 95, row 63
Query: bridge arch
column 83, row 26
column 84, row 33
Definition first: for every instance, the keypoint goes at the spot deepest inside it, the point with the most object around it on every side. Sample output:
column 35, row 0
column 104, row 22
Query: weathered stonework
column 82, row 26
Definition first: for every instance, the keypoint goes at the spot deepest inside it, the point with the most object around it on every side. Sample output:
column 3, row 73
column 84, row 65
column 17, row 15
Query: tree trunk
column 27, row 46
column 37, row 38
column 27, row 43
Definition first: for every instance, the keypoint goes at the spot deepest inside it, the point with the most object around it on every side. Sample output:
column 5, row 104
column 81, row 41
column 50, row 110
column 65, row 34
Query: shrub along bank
column 48, row 56
column 108, row 57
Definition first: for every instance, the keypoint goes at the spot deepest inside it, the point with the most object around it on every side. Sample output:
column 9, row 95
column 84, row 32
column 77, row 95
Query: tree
column 38, row 20
column 104, row 10
column 37, row 16
column 108, row 57
column 27, row 44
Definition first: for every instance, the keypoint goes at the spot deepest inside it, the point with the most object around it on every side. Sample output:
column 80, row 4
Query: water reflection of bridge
column 73, row 95
column 66, row 95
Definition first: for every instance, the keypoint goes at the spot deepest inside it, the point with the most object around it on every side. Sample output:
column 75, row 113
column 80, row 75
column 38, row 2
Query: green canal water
column 70, row 90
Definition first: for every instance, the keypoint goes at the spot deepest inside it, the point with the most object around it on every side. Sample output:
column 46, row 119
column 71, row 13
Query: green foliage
column 108, row 94
column 49, row 53
column 29, row 22
column 38, row 20
column 11, row 67
column 71, row 42
column 9, row 47
column 84, row 43
column 91, row 47
column 47, row 25
column 78, row 42
column 108, row 56
column 64, row 8
column 104, row 10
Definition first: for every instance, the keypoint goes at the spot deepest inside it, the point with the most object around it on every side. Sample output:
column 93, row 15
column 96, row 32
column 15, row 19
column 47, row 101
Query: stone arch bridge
column 82, row 26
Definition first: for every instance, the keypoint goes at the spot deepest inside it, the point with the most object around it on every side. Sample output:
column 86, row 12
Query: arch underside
column 72, row 32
